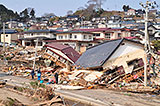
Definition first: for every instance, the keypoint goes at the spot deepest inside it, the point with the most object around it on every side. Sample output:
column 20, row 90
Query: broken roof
column 96, row 56
column 67, row 50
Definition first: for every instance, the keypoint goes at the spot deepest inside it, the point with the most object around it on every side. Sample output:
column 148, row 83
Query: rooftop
column 8, row 31
column 97, row 55
column 67, row 50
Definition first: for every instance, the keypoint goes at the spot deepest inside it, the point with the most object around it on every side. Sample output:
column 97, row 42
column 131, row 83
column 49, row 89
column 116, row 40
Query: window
column 49, row 52
column 90, row 37
column 119, row 35
column 84, row 37
column 97, row 34
column 65, row 36
column 75, row 36
column 6, row 35
column 108, row 35
column 89, row 44
column 60, row 37
column 70, row 36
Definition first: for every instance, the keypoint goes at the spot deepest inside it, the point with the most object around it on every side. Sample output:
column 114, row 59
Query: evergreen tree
column 32, row 13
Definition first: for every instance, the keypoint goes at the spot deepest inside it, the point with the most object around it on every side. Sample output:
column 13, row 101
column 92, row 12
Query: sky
column 60, row 7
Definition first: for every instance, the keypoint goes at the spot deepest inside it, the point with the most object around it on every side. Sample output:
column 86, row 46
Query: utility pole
column 4, row 48
column 147, row 46
column 4, row 37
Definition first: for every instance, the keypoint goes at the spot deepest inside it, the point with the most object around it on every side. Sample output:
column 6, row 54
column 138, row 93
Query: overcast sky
column 60, row 7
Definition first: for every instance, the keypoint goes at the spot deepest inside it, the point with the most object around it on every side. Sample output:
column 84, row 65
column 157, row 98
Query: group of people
column 38, row 74
column 54, row 80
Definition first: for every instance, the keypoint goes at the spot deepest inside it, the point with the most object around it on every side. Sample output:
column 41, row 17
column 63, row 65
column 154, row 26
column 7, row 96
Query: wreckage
column 113, row 64
column 61, row 55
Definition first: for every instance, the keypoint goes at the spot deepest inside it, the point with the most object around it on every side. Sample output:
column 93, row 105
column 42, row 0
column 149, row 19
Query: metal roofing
column 40, row 31
column 8, row 31
column 76, row 31
column 96, row 56
column 67, row 50
column 40, row 38
column 96, row 29
column 73, row 16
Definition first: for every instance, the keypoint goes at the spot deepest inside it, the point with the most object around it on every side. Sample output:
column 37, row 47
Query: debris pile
column 56, row 70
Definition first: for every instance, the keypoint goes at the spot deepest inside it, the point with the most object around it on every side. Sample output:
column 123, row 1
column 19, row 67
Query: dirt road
column 109, row 97
column 95, row 97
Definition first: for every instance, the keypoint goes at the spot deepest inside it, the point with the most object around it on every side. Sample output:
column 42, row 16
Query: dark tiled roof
column 8, row 31
column 97, row 29
column 41, row 31
column 73, row 16
column 67, row 50
column 76, row 31
column 96, row 56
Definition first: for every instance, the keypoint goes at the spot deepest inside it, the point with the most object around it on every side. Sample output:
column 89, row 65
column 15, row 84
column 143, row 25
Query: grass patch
column 36, row 85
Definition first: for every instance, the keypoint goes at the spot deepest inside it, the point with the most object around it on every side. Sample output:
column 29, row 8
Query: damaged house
column 60, row 55
column 120, row 54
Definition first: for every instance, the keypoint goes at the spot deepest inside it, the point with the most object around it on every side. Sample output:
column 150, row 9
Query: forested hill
column 6, row 14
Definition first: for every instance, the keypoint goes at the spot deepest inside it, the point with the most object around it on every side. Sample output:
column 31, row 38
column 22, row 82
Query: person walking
column 56, row 77
column 32, row 74
column 39, row 74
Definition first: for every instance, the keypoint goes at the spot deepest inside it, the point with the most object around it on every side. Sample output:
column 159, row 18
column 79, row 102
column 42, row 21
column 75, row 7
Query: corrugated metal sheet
column 41, row 31
column 8, row 31
column 96, row 56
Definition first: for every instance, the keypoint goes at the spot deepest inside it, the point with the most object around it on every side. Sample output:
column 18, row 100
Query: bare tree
column 98, row 3
column 70, row 12
column 49, row 15
column 81, row 8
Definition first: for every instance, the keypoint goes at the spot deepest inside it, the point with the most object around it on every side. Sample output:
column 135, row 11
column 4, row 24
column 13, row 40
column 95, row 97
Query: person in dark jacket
column 56, row 77
column 32, row 74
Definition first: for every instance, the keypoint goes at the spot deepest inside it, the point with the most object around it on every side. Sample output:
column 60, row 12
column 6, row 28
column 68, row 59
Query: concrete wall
column 9, row 38
column 124, row 54
column 79, row 36
column 14, row 37
column 30, row 35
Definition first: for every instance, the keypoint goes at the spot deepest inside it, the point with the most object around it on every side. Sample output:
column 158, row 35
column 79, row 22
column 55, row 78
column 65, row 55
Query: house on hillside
column 61, row 55
column 131, row 12
column 72, row 18
column 121, row 53
column 12, row 24
column 108, row 33
column 78, row 40
column 10, row 36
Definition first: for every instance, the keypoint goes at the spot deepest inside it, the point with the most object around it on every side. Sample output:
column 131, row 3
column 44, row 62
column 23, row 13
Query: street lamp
column 148, row 5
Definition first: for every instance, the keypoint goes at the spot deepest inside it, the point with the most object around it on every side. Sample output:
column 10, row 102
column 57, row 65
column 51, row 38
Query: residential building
column 61, row 55
column 10, row 36
column 108, row 33
column 131, row 12
column 120, row 53
column 12, row 24
column 29, row 37
column 79, row 40
column 74, row 35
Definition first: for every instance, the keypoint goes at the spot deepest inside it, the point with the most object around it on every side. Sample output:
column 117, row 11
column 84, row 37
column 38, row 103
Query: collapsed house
column 60, row 55
column 120, row 54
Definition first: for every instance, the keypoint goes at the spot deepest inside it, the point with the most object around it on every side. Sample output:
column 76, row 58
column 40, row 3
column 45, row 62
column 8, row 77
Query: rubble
column 20, row 62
